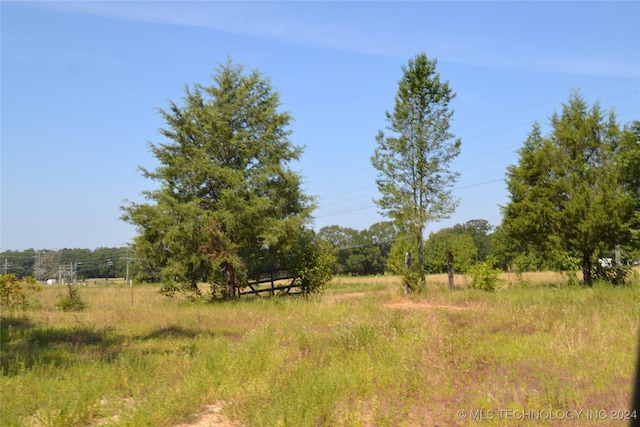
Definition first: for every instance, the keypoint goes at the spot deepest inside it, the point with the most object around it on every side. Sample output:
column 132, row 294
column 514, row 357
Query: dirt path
column 211, row 417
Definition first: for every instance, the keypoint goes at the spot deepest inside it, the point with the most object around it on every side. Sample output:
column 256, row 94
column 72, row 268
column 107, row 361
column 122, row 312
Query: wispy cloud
column 335, row 26
column 373, row 28
column 591, row 66
column 552, row 63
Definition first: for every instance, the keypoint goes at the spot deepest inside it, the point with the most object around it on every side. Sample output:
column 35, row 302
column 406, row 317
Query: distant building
column 606, row 262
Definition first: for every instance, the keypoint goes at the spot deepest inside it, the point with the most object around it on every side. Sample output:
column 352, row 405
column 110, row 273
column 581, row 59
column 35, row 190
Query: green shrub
column 314, row 265
column 484, row 275
column 614, row 274
column 17, row 293
column 71, row 301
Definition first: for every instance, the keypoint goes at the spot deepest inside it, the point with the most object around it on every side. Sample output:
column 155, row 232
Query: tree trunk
column 586, row 269
column 450, row 268
column 407, row 265
column 195, row 289
column 422, row 282
column 230, row 280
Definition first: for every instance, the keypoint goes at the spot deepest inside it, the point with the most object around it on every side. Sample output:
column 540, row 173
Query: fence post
column 407, row 263
column 450, row 268
column 272, row 290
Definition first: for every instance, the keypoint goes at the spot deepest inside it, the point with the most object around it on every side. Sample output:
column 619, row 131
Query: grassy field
column 360, row 355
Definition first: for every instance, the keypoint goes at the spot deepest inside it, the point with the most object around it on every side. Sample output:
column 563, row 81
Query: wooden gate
column 274, row 283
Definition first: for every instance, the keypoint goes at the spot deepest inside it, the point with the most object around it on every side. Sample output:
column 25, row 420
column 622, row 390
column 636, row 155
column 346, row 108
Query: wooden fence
column 273, row 283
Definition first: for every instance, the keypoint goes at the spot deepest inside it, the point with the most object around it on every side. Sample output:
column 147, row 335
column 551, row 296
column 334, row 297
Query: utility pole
column 74, row 271
column 127, row 273
column 36, row 265
column 39, row 267
column 110, row 263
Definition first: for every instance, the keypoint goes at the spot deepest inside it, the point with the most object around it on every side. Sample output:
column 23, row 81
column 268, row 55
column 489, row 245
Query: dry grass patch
column 360, row 355
column 408, row 305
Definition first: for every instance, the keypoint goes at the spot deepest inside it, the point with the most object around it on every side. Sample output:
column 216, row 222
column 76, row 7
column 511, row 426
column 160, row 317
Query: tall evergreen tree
column 413, row 162
column 228, row 201
column 568, row 192
column 628, row 162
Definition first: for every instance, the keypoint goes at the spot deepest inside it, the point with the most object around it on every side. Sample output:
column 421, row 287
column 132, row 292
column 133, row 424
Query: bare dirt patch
column 211, row 416
column 401, row 305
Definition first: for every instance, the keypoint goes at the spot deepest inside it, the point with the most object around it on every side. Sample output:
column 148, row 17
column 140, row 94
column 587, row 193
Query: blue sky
column 81, row 83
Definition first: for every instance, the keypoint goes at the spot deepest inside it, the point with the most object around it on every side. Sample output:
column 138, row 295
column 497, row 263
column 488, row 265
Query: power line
column 478, row 184
column 348, row 192
column 346, row 211
column 502, row 149
column 373, row 206
column 503, row 128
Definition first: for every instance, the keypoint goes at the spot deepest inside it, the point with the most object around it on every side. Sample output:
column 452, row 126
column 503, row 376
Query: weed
column 17, row 293
column 71, row 301
column 485, row 275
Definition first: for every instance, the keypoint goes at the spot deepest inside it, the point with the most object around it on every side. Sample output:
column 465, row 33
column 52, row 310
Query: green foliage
column 314, row 263
column 360, row 252
column 484, row 275
column 170, row 288
column 628, row 160
column 344, row 242
column 19, row 263
column 72, row 301
column 397, row 262
column 367, row 252
column 228, row 201
column 17, row 293
column 461, row 244
column 413, row 161
column 44, row 264
column 480, row 232
column 568, row 193
column 614, row 274
column 523, row 256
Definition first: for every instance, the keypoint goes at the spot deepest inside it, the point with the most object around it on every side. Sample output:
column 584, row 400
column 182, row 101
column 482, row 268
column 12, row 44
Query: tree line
column 381, row 248
column 47, row 264
column 357, row 253
column 228, row 207
column 371, row 251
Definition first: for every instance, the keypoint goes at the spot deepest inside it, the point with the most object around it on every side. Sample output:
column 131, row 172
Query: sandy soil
column 211, row 417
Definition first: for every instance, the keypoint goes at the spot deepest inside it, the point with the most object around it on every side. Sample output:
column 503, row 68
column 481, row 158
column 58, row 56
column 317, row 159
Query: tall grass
column 349, row 358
